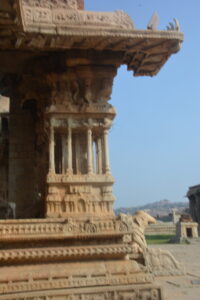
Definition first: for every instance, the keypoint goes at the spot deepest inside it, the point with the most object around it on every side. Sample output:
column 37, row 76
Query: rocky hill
column 159, row 208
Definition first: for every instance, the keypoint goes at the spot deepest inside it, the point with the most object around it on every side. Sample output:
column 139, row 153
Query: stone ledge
column 84, row 179
column 57, row 229
column 123, row 292
column 63, row 253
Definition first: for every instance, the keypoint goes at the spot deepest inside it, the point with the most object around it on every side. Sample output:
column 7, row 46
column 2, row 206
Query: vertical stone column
column 99, row 155
column 22, row 183
column 197, row 206
column 69, row 151
column 106, row 152
column 64, row 153
column 51, row 150
column 195, row 231
column 89, row 151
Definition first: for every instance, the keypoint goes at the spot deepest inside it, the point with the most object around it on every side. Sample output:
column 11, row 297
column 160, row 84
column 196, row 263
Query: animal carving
column 136, row 225
column 174, row 26
column 140, row 221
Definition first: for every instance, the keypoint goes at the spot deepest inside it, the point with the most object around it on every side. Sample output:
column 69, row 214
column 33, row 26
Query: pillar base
column 83, row 196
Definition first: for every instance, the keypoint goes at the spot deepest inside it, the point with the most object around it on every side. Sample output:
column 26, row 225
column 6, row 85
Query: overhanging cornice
column 27, row 27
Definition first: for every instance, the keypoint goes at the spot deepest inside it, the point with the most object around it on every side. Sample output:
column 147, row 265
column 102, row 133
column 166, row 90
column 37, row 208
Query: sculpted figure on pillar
column 81, row 86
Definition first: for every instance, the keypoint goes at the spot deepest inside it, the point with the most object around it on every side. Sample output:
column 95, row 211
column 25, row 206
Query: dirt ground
column 182, row 287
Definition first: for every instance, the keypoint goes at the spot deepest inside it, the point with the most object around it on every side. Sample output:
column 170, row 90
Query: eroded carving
column 64, row 4
column 162, row 263
column 89, row 85
column 174, row 26
column 107, row 294
column 137, row 224
column 65, row 12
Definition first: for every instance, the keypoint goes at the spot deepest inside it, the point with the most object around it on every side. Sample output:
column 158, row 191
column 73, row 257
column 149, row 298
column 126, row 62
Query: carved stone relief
column 64, row 4
column 65, row 12
column 82, row 87
column 137, row 224
column 162, row 263
column 123, row 294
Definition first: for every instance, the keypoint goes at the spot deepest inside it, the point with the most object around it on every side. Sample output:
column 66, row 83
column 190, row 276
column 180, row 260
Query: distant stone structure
column 175, row 216
column 57, row 66
column 160, row 228
column 186, row 228
column 193, row 195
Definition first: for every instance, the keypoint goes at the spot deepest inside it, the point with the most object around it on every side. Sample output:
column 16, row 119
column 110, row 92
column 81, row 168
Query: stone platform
column 70, row 259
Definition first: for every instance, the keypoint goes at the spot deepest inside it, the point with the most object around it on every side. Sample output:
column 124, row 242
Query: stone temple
column 193, row 195
column 57, row 65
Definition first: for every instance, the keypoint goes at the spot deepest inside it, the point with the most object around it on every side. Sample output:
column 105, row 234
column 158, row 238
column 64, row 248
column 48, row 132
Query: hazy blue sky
column 155, row 140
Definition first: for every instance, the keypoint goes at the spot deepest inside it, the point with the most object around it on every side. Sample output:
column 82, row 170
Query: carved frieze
column 63, row 228
column 91, row 108
column 80, row 123
column 66, row 13
column 85, row 85
column 64, row 4
column 64, row 253
column 128, row 292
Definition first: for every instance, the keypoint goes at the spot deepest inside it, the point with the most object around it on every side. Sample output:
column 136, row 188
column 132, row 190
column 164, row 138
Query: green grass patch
column 158, row 239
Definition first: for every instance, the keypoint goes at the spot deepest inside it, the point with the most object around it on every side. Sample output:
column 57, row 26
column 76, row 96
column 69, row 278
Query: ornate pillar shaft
column 106, row 152
column 69, row 151
column 64, row 153
column 51, row 150
column 99, row 156
column 89, row 151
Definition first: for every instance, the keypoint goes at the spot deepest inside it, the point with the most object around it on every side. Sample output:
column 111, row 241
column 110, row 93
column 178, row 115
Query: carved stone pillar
column 69, row 151
column 106, row 152
column 99, row 155
column 51, row 150
column 64, row 153
column 89, row 151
